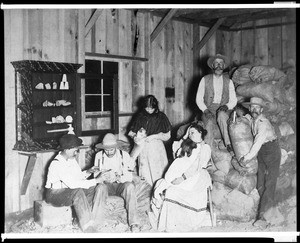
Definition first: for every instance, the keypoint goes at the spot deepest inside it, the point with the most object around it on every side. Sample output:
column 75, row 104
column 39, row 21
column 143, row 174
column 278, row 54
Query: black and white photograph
column 150, row 121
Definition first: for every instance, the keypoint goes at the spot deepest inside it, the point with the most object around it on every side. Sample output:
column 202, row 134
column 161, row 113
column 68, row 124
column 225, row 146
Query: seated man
column 67, row 185
column 216, row 98
column 116, row 169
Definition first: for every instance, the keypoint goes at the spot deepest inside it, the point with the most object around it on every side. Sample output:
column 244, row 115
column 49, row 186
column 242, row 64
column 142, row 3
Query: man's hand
column 242, row 162
column 93, row 169
column 208, row 114
column 177, row 180
column 223, row 108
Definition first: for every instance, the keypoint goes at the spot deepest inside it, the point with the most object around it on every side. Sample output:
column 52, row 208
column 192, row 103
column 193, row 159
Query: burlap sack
column 222, row 160
column 245, row 183
column 241, row 74
column 265, row 73
column 267, row 91
column 241, row 140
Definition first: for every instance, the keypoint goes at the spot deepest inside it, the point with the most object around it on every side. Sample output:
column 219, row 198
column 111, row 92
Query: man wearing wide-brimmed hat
column 116, row 168
column 216, row 98
column 266, row 148
column 67, row 185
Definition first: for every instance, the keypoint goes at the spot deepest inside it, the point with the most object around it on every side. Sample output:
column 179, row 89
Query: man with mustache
column 266, row 148
column 216, row 98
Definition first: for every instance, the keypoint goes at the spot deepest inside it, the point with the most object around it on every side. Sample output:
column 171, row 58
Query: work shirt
column 119, row 164
column 218, row 91
column 263, row 132
column 64, row 173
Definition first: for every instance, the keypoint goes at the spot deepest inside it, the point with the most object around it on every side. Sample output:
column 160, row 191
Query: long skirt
column 152, row 161
column 183, row 210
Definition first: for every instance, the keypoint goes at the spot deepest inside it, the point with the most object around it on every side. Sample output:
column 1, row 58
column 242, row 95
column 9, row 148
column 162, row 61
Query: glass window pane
column 92, row 66
column 108, row 103
column 92, row 86
column 92, row 103
column 110, row 68
column 107, row 86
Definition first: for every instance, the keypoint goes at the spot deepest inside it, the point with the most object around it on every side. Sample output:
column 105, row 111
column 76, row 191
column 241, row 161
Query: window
column 99, row 97
column 99, row 91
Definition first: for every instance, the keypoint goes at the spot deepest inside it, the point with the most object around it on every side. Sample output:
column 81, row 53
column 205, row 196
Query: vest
column 209, row 90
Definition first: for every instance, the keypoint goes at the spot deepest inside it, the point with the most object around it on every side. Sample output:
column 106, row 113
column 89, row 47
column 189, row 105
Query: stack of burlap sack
column 234, row 191
column 274, row 86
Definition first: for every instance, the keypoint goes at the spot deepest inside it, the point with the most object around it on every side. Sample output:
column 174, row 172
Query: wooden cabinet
column 45, row 103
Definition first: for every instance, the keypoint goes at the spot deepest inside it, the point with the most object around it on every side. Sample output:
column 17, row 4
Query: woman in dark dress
column 152, row 158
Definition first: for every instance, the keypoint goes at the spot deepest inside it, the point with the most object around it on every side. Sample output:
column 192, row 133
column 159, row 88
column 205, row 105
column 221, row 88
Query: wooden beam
column 209, row 34
column 91, row 54
column 28, row 173
column 92, row 21
column 162, row 24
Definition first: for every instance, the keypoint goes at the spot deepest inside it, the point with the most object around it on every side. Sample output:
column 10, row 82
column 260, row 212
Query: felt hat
column 110, row 141
column 254, row 101
column 213, row 58
column 69, row 141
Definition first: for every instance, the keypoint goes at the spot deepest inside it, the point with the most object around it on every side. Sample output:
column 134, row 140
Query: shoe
column 261, row 223
column 135, row 228
column 90, row 229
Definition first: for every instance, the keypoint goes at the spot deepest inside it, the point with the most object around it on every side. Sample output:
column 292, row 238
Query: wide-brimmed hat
column 213, row 58
column 69, row 141
column 254, row 101
column 110, row 141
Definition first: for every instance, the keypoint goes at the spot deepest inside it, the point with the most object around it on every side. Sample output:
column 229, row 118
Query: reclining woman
column 179, row 202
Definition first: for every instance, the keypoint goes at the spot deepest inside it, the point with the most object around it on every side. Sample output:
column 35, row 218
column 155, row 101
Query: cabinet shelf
column 38, row 107
column 31, row 116
column 53, row 90
column 44, row 124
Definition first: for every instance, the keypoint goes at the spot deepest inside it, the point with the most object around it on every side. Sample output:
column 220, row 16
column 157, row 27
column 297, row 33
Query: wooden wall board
column 178, row 106
column 125, row 86
column 125, row 33
column 157, row 86
column 274, row 44
column 261, row 41
column 247, row 48
column 138, row 68
column 88, row 38
column 112, row 33
column 170, row 67
column 288, row 42
column 236, row 44
column 188, row 69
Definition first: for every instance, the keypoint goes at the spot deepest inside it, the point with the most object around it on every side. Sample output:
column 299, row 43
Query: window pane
column 108, row 103
column 107, row 86
column 92, row 103
column 110, row 68
column 92, row 66
column 92, row 86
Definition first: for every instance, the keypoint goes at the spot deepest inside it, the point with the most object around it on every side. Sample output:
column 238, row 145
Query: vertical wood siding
column 59, row 35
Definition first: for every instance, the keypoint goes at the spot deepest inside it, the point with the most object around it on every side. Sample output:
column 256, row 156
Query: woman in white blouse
column 179, row 202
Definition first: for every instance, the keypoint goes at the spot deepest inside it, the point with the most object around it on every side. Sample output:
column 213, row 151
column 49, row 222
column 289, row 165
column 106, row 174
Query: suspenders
column 102, row 160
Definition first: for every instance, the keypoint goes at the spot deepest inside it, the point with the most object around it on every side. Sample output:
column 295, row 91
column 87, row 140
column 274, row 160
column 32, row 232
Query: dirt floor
column 115, row 223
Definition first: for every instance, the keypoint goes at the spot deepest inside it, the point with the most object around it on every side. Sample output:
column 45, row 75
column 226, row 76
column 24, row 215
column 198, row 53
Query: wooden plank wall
column 261, row 46
column 34, row 34
column 59, row 35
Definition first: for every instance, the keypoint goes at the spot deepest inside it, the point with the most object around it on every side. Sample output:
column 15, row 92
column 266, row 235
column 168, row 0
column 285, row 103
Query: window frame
column 115, row 108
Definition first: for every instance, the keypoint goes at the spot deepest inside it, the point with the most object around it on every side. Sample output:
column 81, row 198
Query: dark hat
column 254, row 101
column 69, row 141
column 110, row 141
column 213, row 58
